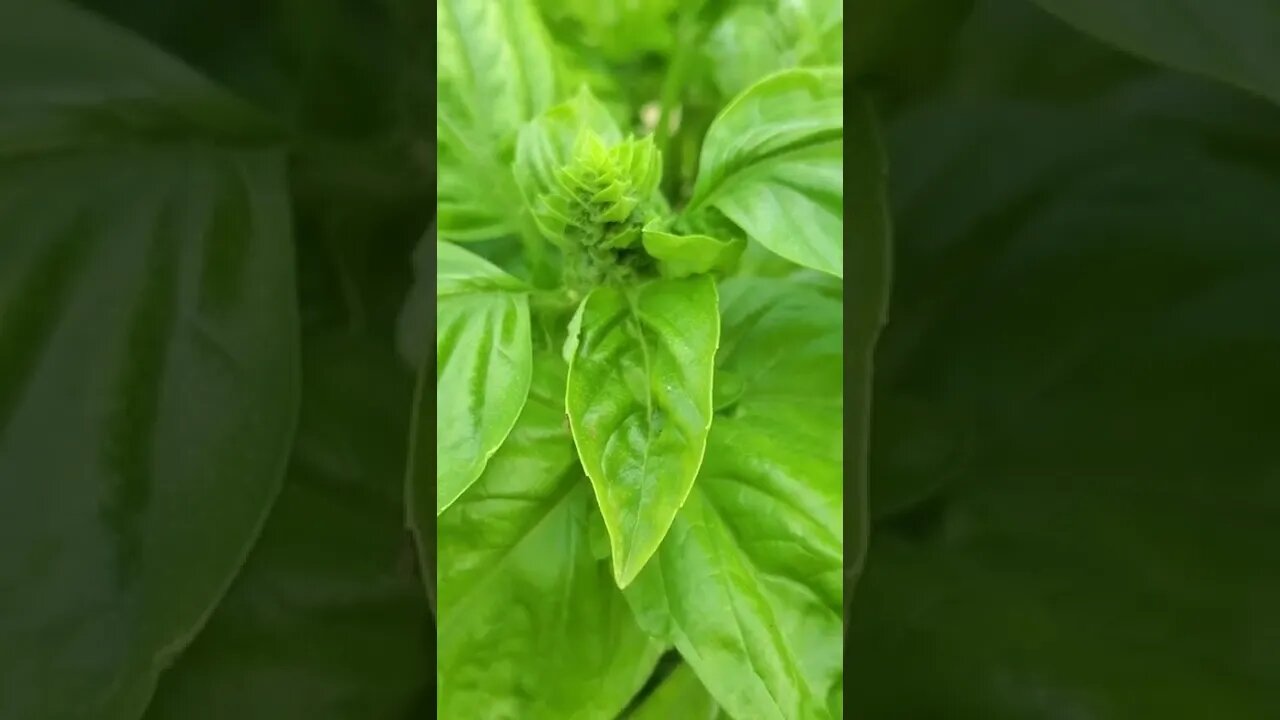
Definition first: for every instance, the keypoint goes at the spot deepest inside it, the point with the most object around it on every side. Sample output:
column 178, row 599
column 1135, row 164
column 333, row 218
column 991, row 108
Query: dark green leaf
column 531, row 625
column 327, row 618
column 1117, row 488
column 148, row 358
column 1237, row 42
column 639, row 401
column 868, row 235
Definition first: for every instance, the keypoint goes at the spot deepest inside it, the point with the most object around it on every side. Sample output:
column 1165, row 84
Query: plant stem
column 673, row 83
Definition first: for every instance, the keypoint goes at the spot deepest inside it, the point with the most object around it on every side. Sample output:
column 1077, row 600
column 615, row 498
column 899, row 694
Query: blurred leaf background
column 1075, row 491
column 1075, row 487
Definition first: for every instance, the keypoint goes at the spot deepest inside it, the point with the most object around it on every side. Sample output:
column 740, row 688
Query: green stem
column 673, row 83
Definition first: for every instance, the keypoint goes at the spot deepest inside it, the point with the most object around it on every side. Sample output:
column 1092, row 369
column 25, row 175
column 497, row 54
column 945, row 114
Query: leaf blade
column 484, row 359
column 657, row 410
column 515, row 555
column 1238, row 44
column 148, row 357
column 761, row 533
column 772, row 163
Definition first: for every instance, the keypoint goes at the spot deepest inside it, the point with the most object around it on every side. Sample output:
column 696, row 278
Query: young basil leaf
column 772, row 162
column 546, row 143
column 148, row 357
column 1237, row 43
column 483, row 367
column 681, row 255
column 639, row 403
column 334, row 546
column 495, row 70
column 531, row 625
column 761, row 533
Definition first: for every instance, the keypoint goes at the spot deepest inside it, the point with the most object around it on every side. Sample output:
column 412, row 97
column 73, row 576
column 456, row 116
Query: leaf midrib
column 733, row 172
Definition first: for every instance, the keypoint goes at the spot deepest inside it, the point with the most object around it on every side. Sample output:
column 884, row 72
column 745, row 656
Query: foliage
column 231, row 228
column 679, row 397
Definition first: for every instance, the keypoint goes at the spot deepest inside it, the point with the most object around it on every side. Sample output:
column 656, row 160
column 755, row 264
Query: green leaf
column 416, row 324
column 681, row 695
column 586, row 186
column 616, row 31
column 681, row 255
column 531, row 625
column 1118, row 474
column 754, row 40
column 772, row 163
column 1237, row 43
column 148, row 358
column 904, row 43
column 334, row 546
column 495, row 70
column 639, row 402
column 546, row 143
column 483, row 367
column 870, row 245
column 748, row 583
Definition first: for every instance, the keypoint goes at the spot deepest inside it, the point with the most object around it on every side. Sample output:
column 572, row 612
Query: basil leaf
column 416, row 324
column 772, row 162
column 870, row 246
column 639, row 402
column 681, row 695
column 546, row 144
column 754, row 40
column 619, row 32
column 748, row 583
column 1237, row 43
column 148, row 357
column 681, row 255
column 484, row 362
column 333, row 547
column 495, row 70
column 899, row 43
column 1117, row 476
column 531, row 625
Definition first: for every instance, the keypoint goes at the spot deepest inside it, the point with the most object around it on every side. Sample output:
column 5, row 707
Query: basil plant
column 640, row 357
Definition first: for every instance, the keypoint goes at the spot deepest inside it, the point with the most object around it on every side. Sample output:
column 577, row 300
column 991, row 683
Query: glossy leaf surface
column 531, row 624
column 748, row 583
column 772, row 163
column 148, row 358
column 327, row 619
column 483, row 367
column 639, row 402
